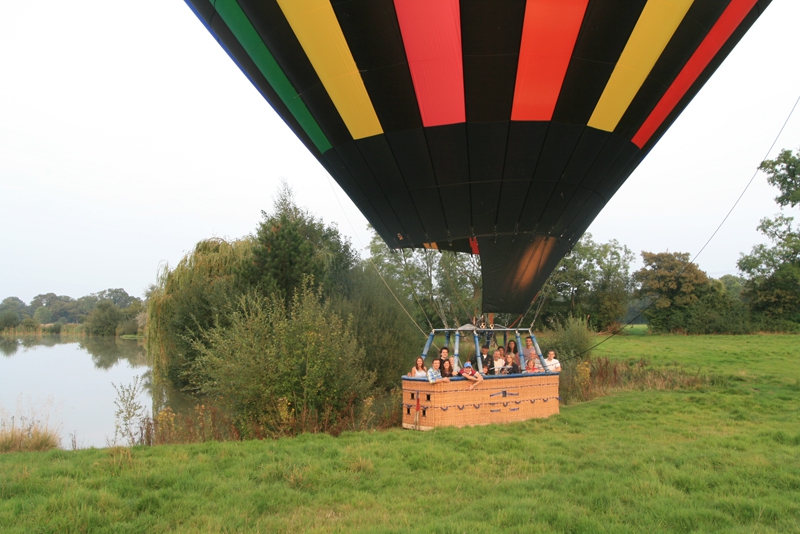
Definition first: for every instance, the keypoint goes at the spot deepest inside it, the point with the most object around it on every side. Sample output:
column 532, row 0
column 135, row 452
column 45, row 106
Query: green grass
column 723, row 458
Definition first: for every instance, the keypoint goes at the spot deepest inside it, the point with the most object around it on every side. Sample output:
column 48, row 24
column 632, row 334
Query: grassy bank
column 719, row 458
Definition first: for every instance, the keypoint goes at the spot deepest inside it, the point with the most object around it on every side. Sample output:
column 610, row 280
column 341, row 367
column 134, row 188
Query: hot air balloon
column 493, row 127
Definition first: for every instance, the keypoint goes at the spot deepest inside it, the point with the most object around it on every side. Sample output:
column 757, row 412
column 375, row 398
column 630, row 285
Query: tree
column 104, row 319
column 733, row 284
column 772, row 288
column 593, row 279
column 9, row 319
column 291, row 244
column 16, row 305
column 784, row 173
column 674, row 283
column 773, row 272
column 43, row 315
column 118, row 296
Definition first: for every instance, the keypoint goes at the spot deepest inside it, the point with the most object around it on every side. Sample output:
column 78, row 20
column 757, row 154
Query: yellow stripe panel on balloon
column 315, row 25
column 654, row 29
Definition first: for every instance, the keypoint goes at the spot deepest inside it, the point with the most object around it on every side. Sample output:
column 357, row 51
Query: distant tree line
column 105, row 313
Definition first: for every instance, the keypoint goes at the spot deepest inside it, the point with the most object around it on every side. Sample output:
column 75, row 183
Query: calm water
column 69, row 383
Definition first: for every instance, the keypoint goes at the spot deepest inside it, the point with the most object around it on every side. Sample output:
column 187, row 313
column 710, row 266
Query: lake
column 69, row 382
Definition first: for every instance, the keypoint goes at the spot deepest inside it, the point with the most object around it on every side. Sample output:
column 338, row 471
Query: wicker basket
column 497, row 399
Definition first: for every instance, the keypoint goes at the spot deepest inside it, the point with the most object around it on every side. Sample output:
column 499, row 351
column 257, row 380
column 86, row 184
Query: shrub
column 104, row 319
column 572, row 341
column 54, row 328
column 29, row 325
column 9, row 319
column 285, row 370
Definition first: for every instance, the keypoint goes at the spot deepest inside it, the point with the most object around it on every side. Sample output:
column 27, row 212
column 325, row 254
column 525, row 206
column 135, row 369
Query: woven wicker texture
column 495, row 400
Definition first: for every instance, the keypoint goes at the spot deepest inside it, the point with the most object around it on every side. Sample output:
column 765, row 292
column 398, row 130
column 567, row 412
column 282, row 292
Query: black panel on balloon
column 487, row 151
column 373, row 35
column 606, row 27
column 612, row 150
column 515, row 269
column 376, row 152
column 590, row 145
column 456, row 210
column 491, row 31
column 448, row 151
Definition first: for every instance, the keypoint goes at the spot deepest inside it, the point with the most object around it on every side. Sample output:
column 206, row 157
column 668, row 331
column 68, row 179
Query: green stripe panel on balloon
column 241, row 27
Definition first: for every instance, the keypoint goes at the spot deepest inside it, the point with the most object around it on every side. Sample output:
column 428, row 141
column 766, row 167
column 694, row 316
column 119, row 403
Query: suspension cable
column 424, row 334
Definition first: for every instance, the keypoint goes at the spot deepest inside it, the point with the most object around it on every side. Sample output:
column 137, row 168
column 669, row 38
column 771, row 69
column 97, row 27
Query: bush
column 54, row 328
column 129, row 327
column 103, row 320
column 9, row 319
column 29, row 325
column 572, row 341
column 283, row 371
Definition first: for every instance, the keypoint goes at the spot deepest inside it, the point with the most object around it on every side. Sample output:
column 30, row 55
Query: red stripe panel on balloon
column 548, row 37
column 432, row 39
column 733, row 16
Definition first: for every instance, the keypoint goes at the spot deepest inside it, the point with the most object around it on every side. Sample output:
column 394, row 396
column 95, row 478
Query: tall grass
column 26, row 434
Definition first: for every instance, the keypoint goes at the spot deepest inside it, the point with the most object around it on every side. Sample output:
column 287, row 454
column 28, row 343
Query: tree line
column 105, row 313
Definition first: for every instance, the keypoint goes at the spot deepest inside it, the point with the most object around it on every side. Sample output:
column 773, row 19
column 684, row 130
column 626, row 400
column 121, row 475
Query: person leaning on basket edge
column 434, row 374
column 471, row 374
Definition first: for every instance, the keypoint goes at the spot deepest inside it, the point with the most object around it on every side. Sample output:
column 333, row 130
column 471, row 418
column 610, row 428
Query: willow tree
column 193, row 296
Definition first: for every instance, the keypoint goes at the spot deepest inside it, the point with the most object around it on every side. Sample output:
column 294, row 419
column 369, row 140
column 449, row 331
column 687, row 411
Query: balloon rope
column 373, row 263
column 414, row 291
column 755, row 173
column 453, row 286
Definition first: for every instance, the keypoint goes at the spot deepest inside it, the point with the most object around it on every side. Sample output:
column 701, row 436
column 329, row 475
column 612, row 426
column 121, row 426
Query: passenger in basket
column 533, row 365
column 447, row 369
column 444, row 354
column 511, row 367
column 511, row 348
column 553, row 365
column 471, row 374
column 488, row 362
column 419, row 370
column 499, row 362
column 434, row 374
column 528, row 351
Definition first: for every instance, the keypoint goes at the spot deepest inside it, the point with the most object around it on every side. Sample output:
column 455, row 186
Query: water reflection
column 106, row 352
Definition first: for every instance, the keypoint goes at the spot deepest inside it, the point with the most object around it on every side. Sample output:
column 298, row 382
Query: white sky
column 127, row 135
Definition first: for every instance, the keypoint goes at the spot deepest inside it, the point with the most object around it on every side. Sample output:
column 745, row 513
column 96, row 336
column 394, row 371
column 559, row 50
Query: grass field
column 723, row 458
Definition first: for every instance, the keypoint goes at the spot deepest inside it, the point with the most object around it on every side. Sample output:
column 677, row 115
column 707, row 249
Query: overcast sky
column 127, row 135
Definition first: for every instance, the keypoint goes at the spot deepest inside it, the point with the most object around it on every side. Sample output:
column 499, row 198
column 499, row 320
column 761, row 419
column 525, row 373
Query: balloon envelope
column 494, row 127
